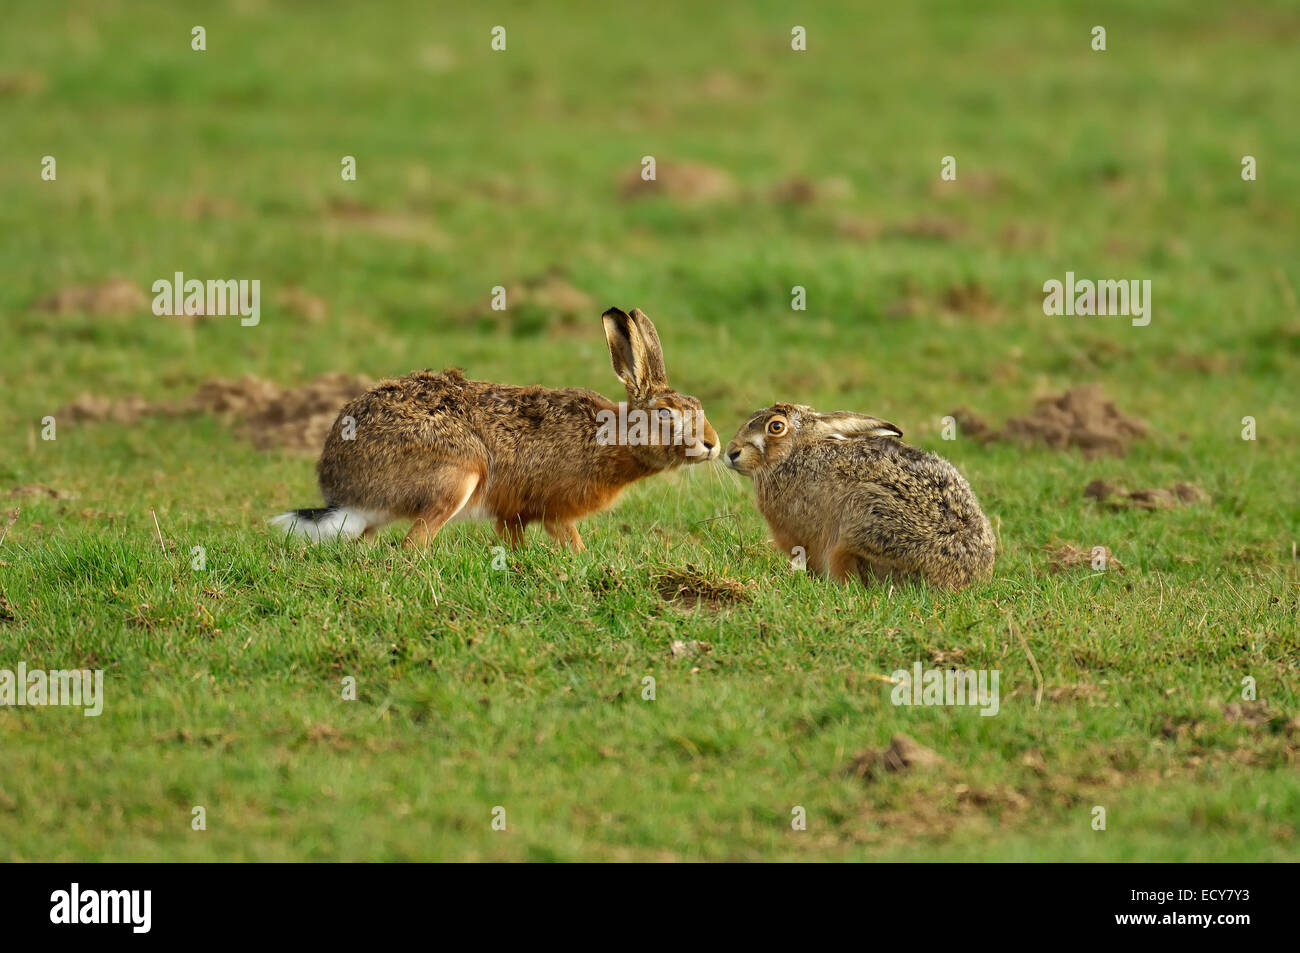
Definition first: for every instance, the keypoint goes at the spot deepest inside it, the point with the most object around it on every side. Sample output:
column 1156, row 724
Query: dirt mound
column 115, row 296
column 295, row 418
column 971, row 424
column 1081, row 417
column 690, row 587
column 902, row 755
column 680, row 181
column 1116, row 497
column 553, row 302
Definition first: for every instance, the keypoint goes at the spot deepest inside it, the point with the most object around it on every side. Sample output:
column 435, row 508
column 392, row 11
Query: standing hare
column 860, row 501
column 431, row 446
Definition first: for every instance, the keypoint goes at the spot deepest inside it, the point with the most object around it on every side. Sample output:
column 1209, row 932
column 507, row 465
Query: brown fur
column 434, row 444
column 861, row 502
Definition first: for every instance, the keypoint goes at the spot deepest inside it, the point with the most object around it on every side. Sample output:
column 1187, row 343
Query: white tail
column 325, row 525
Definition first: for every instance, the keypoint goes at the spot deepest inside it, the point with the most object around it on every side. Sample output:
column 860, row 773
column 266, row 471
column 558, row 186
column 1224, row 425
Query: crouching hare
column 433, row 446
column 860, row 501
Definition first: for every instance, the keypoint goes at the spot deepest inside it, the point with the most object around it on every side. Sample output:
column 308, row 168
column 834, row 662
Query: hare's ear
column 635, row 352
column 656, row 372
column 845, row 423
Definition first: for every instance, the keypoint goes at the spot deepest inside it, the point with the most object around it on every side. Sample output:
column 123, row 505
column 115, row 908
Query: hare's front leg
column 447, row 497
column 512, row 531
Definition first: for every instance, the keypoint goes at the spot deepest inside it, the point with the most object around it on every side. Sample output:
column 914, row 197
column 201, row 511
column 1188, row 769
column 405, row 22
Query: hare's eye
column 776, row 427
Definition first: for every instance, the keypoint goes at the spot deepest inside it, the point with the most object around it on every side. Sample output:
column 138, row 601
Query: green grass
column 523, row 688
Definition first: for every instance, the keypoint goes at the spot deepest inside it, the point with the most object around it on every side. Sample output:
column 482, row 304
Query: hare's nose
column 733, row 456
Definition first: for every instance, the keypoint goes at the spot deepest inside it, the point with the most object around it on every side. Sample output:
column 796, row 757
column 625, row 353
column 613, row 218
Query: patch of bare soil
column 1067, row 557
column 1020, row 235
column 126, row 410
column 294, row 418
column 201, row 208
column 298, row 303
column 903, row 755
column 1116, row 497
column 680, row 649
column 858, row 229
column 402, row 226
column 689, row 588
column 969, row 299
column 687, row 182
column 1000, row 797
column 948, row 658
column 925, row 229
column 722, row 86
column 115, row 296
column 24, row 83
column 941, row 807
column 1257, row 715
column 798, row 190
column 1081, row 417
column 38, row 491
column 1262, row 722
column 101, row 516
column 1092, row 694
column 968, row 183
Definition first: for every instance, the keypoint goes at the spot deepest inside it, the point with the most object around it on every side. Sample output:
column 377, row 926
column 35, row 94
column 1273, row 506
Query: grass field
column 522, row 688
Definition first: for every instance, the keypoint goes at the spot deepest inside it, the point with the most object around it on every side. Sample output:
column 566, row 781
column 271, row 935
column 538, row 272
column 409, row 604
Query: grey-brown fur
column 860, row 501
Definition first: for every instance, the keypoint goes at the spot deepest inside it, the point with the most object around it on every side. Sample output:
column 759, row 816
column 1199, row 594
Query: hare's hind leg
column 843, row 564
column 447, row 497
column 565, row 531
column 846, row 563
